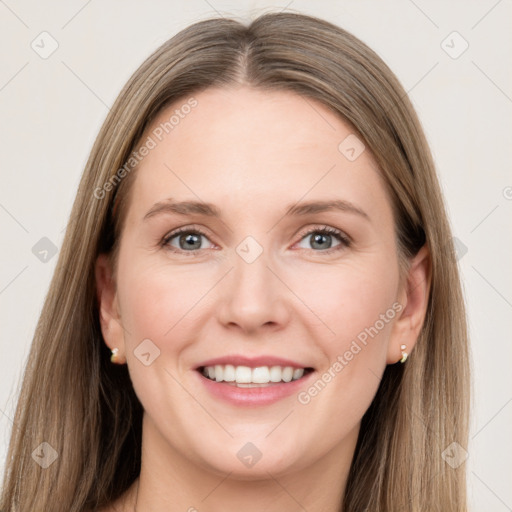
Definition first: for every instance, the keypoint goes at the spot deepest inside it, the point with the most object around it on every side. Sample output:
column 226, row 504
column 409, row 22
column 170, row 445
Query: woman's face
column 253, row 281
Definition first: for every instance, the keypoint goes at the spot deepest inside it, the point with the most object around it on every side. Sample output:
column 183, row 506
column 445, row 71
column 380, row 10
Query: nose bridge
column 254, row 296
column 251, row 273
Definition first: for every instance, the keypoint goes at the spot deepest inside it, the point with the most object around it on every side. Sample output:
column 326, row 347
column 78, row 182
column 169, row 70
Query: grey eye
column 320, row 240
column 186, row 241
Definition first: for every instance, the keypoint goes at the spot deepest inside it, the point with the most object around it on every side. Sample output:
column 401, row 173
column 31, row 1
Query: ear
column 413, row 298
column 110, row 318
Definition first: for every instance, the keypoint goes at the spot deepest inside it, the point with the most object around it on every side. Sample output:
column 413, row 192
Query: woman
column 257, row 304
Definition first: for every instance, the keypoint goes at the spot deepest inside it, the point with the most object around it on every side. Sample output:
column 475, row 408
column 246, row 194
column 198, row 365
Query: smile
column 249, row 387
column 245, row 376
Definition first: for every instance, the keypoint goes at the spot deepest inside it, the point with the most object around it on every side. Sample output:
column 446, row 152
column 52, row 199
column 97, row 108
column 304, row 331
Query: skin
column 253, row 153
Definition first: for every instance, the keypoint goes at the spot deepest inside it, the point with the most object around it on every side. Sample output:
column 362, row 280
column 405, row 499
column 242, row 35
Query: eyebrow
column 210, row 210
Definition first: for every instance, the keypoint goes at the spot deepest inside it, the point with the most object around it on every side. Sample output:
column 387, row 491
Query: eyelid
column 329, row 230
column 164, row 243
column 345, row 241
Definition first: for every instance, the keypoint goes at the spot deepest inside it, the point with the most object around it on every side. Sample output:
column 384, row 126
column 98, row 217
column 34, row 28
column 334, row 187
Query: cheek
column 350, row 300
column 357, row 306
column 161, row 301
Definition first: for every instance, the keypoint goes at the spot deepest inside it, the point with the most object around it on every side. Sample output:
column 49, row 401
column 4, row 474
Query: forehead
column 271, row 146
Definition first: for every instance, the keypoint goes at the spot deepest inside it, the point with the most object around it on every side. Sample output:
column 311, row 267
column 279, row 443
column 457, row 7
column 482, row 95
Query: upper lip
column 252, row 362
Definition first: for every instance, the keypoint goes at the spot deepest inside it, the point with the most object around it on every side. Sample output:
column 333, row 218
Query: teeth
column 243, row 375
column 219, row 373
column 229, row 373
column 287, row 374
column 275, row 374
column 246, row 375
column 260, row 375
column 297, row 373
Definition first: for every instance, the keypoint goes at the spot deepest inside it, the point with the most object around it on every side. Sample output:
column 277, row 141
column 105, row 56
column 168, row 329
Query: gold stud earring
column 113, row 357
column 404, row 354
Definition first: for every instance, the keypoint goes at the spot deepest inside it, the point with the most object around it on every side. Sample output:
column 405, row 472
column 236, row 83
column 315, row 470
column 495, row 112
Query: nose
column 253, row 298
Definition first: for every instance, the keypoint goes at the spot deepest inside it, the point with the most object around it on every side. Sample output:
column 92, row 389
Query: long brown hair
column 85, row 408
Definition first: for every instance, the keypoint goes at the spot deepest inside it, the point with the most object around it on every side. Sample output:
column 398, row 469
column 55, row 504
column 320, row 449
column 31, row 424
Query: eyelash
column 325, row 230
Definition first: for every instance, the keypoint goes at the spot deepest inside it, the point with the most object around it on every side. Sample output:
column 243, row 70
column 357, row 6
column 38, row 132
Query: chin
column 253, row 461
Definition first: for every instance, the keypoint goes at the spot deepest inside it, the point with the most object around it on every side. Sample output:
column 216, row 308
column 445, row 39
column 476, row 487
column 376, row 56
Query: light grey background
column 52, row 108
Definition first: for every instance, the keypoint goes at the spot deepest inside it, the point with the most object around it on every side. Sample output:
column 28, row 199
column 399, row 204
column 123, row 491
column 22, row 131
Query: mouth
column 253, row 377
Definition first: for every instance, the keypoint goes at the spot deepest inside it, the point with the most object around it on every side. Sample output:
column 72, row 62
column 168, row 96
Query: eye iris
column 318, row 238
column 191, row 241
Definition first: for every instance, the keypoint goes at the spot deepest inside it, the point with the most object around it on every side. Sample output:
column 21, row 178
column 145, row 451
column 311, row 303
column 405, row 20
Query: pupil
column 190, row 240
column 319, row 238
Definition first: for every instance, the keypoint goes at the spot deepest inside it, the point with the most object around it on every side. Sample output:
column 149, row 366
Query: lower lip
column 254, row 396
